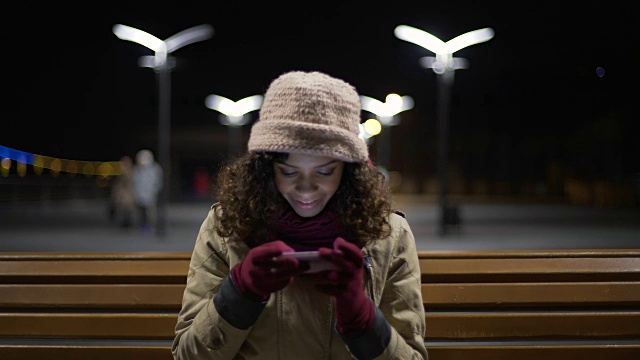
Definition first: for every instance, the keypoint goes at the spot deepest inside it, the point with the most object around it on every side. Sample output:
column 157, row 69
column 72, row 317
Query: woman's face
column 308, row 182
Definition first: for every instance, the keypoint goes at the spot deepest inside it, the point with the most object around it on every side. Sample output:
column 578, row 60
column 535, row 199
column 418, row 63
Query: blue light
column 17, row 155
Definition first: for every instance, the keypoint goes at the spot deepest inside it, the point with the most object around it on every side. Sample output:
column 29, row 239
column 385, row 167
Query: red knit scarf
column 306, row 234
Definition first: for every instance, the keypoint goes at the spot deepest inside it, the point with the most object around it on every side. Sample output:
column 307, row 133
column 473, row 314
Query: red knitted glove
column 260, row 274
column 354, row 311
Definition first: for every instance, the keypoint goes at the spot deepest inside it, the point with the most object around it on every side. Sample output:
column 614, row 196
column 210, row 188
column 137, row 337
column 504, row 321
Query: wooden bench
column 90, row 305
column 515, row 305
column 521, row 305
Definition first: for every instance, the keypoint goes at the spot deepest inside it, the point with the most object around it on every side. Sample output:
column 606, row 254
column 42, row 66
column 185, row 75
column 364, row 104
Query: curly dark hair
column 247, row 193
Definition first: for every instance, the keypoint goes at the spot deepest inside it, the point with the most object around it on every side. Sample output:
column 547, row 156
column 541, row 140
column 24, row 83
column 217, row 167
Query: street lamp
column 233, row 115
column 162, row 63
column 444, row 65
column 386, row 113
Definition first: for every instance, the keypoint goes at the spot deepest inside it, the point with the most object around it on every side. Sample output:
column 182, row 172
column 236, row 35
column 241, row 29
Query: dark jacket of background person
column 122, row 199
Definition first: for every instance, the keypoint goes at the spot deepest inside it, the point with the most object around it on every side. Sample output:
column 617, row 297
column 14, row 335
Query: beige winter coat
column 298, row 321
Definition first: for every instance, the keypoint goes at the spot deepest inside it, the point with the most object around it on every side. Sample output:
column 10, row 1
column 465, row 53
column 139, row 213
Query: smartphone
column 316, row 263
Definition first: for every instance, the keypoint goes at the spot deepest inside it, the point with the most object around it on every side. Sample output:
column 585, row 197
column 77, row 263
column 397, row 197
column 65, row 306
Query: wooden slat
column 511, row 254
column 496, row 295
column 117, row 296
column 473, row 299
column 89, row 325
column 530, row 269
column 518, row 325
column 519, row 352
column 535, row 352
column 94, row 271
column 70, row 352
column 98, row 255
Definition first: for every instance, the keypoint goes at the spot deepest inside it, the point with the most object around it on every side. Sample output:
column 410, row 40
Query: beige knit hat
column 310, row 113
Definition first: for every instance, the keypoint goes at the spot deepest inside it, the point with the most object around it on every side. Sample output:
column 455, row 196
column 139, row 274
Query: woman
column 306, row 184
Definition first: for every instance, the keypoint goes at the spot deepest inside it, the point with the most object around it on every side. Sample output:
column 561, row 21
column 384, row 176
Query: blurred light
column 234, row 111
column 444, row 50
column 468, row 39
column 72, row 167
column 102, row 181
column 386, row 111
column 88, row 169
column 38, row 165
column 145, row 39
column 437, row 46
column 189, row 36
column 600, row 71
column 22, row 169
column 5, row 166
column 420, row 38
column 162, row 48
column 55, row 165
column 372, row 127
column 105, row 170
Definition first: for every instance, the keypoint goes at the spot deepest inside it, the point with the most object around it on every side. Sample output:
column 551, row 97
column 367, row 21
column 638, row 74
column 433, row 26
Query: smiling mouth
column 306, row 204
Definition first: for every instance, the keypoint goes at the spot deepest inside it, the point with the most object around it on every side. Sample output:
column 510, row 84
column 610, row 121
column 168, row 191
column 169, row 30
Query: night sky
column 531, row 97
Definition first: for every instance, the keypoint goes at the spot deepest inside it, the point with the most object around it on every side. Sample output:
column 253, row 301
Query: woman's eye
column 287, row 173
column 326, row 173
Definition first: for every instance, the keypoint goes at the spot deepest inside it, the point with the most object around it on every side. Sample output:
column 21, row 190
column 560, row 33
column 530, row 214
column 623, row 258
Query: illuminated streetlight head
column 393, row 105
column 444, row 59
column 234, row 111
column 189, row 36
column 437, row 46
column 468, row 39
column 162, row 48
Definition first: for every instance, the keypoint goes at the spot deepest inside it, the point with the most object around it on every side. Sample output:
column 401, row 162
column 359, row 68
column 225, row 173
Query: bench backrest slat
column 89, row 325
column 535, row 352
column 540, row 325
column 536, row 295
column 102, row 296
column 84, row 352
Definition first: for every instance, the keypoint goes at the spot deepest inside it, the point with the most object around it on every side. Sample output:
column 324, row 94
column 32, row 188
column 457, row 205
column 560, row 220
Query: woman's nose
column 306, row 184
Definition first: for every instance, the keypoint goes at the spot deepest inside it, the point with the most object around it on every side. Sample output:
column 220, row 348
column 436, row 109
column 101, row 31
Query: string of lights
column 18, row 162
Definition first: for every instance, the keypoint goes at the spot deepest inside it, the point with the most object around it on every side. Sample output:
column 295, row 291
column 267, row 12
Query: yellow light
column 372, row 126
column 22, row 169
column 88, row 169
column 55, row 167
column 102, row 181
column 38, row 165
column 72, row 168
column 394, row 103
column 105, row 170
column 5, row 166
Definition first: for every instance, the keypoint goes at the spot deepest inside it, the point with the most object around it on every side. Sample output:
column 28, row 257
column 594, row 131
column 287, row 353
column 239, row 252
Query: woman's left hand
column 354, row 311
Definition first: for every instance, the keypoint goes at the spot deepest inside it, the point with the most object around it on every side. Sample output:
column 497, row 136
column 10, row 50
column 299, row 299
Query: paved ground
column 82, row 225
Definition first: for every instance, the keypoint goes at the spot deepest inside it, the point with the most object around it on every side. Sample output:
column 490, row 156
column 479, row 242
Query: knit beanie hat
column 310, row 113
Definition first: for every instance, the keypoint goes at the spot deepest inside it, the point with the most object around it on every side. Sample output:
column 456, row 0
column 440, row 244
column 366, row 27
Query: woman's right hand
column 263, row 272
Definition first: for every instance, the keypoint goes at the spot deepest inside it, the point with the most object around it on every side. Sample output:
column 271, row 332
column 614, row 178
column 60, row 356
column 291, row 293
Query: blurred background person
column 147, row 182
column 122, row 203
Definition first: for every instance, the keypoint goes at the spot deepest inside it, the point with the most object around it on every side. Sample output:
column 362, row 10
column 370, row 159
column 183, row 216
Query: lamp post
column 162, row 63
column 386, row 113
column 444, row 65
column 233, row 115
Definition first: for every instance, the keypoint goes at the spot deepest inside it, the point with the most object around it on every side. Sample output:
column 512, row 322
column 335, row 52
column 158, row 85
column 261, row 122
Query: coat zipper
column 368, row 266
